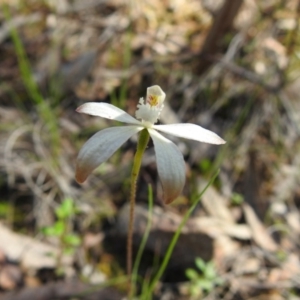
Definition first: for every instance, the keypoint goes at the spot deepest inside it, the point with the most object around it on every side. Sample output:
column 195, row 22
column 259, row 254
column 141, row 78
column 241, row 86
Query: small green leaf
column 72, row 240
column 195, row 290
column 56, row 230
column 205, row 165
column 237, row 199
column 205, row 284
column 5, row 209
column 49, row 231
column 69, row 250
column 66, row 209
column 59, row 227
column 200, row 263
column 210, row 272
column 191, row 274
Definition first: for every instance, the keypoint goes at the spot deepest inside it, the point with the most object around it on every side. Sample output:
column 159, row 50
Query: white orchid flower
column 170, row 162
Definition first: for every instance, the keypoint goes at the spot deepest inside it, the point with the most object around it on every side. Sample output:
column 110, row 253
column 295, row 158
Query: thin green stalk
column 176, row 236
column 24, row 66
column 292, row 37
column 144, row 240
column 120, row 99
column 141, row 147
column 31, row 86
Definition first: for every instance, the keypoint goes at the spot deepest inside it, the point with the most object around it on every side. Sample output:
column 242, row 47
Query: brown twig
column 222, row 24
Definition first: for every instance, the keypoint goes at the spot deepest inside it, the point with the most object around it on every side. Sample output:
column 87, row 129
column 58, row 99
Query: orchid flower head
column 149, row 111
column 170, row 162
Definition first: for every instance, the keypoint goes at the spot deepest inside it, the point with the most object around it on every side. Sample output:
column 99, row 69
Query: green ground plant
column 62, row 229
column 203, row 279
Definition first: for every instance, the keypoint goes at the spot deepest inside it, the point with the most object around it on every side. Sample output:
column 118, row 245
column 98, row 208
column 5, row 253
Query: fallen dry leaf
column 259, row 232
column 30, row 253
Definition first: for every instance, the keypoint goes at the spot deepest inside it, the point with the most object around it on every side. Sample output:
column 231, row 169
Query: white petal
column 108, row 111
column 192, row 132
column 100, row 147
column 170, row 165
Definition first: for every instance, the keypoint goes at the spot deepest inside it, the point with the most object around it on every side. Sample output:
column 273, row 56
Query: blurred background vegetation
column 230, row 66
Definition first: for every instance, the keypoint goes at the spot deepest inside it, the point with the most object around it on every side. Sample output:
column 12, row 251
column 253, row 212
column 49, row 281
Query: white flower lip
column 170, row 162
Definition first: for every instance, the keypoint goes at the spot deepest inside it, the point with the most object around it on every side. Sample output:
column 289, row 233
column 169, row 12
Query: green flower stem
column 141, row 147
column 144, row 239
